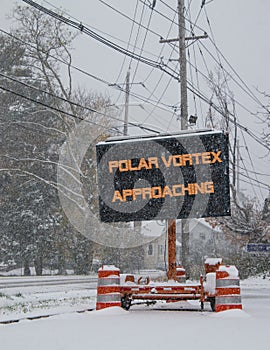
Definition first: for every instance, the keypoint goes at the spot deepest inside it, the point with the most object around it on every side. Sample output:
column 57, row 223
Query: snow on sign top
column 108, row 268
column 164, row 177
column 213, row 261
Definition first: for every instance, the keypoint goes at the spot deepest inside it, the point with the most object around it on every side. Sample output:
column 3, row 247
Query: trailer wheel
column 126, row 302
column 213, row 303
column 202, row 305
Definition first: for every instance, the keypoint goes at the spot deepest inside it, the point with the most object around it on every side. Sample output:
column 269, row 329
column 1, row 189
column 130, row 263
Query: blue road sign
column 258, row 247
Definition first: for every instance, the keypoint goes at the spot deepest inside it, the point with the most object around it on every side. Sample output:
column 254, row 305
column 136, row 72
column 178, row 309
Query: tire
column 202, row 305
column 213, row 303
column 125, row 302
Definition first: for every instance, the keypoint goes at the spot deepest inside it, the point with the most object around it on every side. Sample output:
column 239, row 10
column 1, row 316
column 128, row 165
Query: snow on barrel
column 108, row 288
column 227, row 289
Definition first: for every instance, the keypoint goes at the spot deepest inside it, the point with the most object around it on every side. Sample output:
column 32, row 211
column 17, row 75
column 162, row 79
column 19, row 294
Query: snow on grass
column 29, row 305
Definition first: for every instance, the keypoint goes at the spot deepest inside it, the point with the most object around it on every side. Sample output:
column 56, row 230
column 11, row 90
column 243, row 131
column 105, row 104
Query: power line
column 249, row 156
column 77, row 117
column 217, row 109
column 144, row 40
column 263, row 184
column 47, row 92
column 78, row 105
column 246, row 89
column 256, row 185
column 244, row 86
column 128, row 44
column 205, row 99
column 126, row 16
column 95, row 77
column 71, row 114
column 84, row 29
column 158, row 84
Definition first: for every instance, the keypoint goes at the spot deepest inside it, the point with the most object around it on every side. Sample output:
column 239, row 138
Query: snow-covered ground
column 142, row 327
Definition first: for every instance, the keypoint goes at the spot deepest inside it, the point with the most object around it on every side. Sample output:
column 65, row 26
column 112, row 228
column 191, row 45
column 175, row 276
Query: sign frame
column 175, row 176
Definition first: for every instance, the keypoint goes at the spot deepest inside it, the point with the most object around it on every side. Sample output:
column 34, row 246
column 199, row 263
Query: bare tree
column 226, row 120
column 31, row 136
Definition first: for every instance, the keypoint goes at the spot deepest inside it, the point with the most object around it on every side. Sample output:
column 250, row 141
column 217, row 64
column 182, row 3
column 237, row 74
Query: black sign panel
column 164, row 177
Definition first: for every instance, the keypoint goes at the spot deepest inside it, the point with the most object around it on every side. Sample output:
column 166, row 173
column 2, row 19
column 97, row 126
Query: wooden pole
column 171, row 249
column 184, row 124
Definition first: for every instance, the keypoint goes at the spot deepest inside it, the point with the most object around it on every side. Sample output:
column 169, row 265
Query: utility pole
column 183, row 65
column 238, row 167
column 184, row 124
column 184, row 119
column 137, row 224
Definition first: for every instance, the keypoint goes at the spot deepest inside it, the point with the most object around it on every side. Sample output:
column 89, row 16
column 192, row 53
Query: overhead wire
column 158, row 84
column 251, row 180
column 64, row 100
column 229, row 114
column 247, row 175
column 255, row 183
column 199, row 94
column 95, row 77
column 126, row 16
column 81, row 27
column 244, row 128
column 144, row 39
column 94, row 35
column 226, row 81
column 191, row 82
column 219, row 62
column 250, row 158
column 60, row 10
column 164, row 90
column 188, row 13
column 246, row 89
column 186, row 18
column 147, row 29
column 208, row 79
column 140, row 26
column 128, row 44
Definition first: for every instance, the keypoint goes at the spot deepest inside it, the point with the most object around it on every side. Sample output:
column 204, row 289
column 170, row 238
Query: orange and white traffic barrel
column 212, row 264
column 228, row 295
column 180, row 274
column 108, row 287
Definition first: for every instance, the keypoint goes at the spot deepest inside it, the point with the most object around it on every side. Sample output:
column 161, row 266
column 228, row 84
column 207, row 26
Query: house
column 202, row 237
column 156, row 253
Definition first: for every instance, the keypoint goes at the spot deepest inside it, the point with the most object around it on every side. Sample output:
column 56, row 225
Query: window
column 202, row 235
column 150, row 249
column 160, row 249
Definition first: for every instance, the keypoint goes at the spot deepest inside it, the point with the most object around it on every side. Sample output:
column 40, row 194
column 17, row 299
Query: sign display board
column 258, row 247
column 164, row 177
